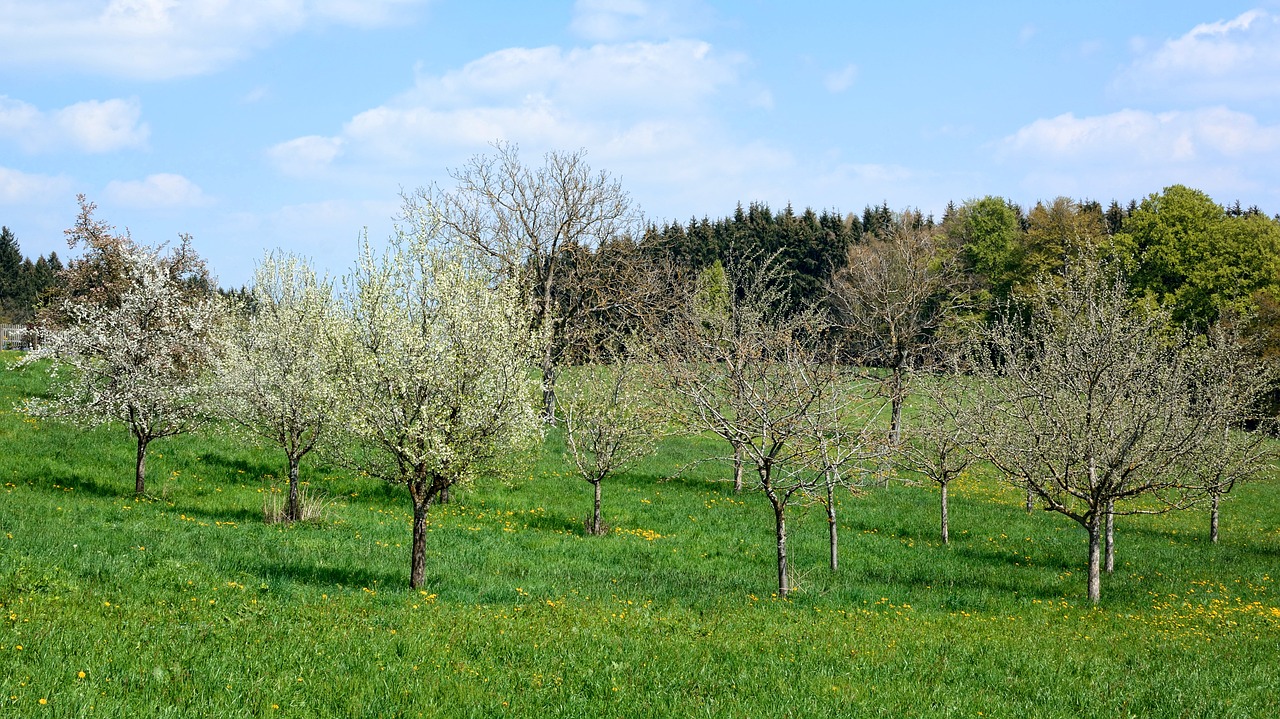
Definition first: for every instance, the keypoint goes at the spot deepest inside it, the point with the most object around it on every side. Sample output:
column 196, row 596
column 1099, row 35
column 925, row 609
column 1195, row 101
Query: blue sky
column 255, row 124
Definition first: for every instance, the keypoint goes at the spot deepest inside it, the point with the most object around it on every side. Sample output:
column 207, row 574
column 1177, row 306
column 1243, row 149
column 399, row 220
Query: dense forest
column 23, row 282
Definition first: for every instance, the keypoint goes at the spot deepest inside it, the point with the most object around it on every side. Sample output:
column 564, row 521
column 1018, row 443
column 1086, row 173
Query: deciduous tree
column 893, row 297
column 278, row 376
column 135, row 348
column 610, row 422
column 437, row 371
column 522, row 219
column 1091, row 406
column 758, row 378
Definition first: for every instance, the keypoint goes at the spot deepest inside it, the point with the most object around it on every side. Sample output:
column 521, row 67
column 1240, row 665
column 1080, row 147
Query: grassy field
column 189, row 605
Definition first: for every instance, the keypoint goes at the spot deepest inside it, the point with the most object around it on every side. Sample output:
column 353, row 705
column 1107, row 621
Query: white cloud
column 305, row 156
column 20, row 188
column 542, row 98
column 614, row 20
column 1236, row 59
column 94, row 126
column 163, row 190
column 160, row 39
column 841, row 80
column 1127, row 153
column 1138, row 136
column 651, row 113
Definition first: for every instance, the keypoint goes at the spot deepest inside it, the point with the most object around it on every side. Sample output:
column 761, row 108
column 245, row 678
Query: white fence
column 14, row 337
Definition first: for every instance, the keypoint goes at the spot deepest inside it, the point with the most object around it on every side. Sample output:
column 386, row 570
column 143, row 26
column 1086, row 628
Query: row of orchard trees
column 420, row 367
column 415, row 372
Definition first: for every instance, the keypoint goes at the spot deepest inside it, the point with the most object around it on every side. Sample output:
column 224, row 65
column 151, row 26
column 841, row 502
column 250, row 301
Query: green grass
column 189, row 605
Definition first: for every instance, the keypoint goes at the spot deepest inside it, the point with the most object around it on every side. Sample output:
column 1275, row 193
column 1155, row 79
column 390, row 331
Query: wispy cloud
column 630, row 96
column 91, row 126
column 20, row 188
column 615, row 20
column 160, row 39
column 1237, row 59
column 163, row 190
column 1129, row 152
column 840, row 80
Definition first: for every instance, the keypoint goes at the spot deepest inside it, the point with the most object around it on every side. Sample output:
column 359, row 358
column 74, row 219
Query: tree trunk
column 1213, row 518
column 445, row 495
column 595, row 518
column 1095, row 557
column 140, row 469
column 1111, row 536
column 1031, row 501
column 895, row 423
column 832, row 530
column 548, row 387
column 293, row 513
column 737, row 468
column 419, row 562
column 779, row 514
column 946, row 537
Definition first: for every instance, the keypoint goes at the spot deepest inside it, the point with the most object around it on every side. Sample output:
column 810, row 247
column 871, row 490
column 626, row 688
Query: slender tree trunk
column 548, row 386
column 293, row 513
column 140, row 469
column 445, row 495
column 737, row 468
column 418, row 568
column 1031, row 501
column 780, row 518
column 1111, row 536
column 1095, row 557
column 832, row 529
column 946, row 536
column 595, row 518
column 895, row 423
column 1213, row 517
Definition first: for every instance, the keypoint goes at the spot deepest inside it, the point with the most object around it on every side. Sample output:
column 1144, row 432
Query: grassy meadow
column 189, row 605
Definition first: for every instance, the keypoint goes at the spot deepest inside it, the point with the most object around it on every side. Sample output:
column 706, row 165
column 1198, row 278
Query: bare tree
column 524, row 220
column 846, row 444
column 1090, row 405
column 132, row 333
column 760, row 380
column 436, row 371
column 934, row 445
column 1236, row 384
column 893, row 297
column 277, row 378
column 610, row 423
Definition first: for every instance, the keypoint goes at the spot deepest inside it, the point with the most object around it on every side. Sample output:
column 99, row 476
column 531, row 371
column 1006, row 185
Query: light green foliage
column 989, row 232
column 1057, row 233
column 278, row 376
column 712, row 301
column 1185, row 252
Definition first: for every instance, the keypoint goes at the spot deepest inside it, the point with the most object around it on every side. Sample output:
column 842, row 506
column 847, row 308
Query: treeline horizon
column 1177, row 247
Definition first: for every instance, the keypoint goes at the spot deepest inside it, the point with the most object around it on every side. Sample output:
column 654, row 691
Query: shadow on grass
column 234, row 465
column 228, row 514
column 555, row 522
column 314, row 575
column 83, row 483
